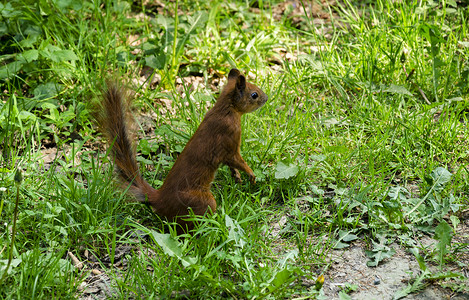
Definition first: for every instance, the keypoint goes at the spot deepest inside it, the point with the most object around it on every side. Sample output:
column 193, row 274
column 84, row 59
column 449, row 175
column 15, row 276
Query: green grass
column 364, row 136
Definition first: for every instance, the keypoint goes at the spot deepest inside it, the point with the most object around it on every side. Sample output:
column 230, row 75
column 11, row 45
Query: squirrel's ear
column 234, row 73
column 241, row 83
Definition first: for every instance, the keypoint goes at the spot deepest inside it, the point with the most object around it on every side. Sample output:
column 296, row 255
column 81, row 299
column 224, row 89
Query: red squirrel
column 216, row 141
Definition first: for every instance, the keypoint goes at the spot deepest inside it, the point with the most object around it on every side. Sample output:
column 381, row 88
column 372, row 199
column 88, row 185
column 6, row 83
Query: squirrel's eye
column 254, row 95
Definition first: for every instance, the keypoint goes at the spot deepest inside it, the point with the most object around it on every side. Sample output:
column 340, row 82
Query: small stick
column 408, row 76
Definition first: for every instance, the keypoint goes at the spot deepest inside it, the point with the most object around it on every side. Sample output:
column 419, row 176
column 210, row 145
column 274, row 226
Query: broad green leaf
column 61, row 229
column 398, row 193
column 291, row 255
column 156, row 62
column 379, row 253
column 236, row 233
column 8, row 11
column 420, row 260
column 318, row 157
column 377, row 257
column 63, row 3
column 8, row 70
column 29, row 56
column 452, row 3
column 444, row 275
column 285, row 171
column 169, row 245
column 57, row 209
column 397, row 89
column 440, row 177
column 454, row 221
column 197, row 21
column 121, row 7
column 32, row 38
column 406, row 291
column 443, row 234
column 281, row 278
column 316, row 190
column 172, row 248
column 4, row 262
column 48, row 50
column 392, row 205
column 63, row 55
column 344, row 296
column 26, row 116
column 340, row 245
column 3, row 29
column 349, row 237
column 455, row 99
column 144, row 160
column 330, row 122
column 163, row 21
column 47, row 90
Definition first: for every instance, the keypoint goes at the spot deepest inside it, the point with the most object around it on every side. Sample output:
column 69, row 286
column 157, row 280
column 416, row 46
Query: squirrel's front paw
column 236, row 175
column 252, row 178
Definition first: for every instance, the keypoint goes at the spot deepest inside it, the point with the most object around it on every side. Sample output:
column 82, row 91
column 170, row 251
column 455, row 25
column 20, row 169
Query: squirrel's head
column 244, row 96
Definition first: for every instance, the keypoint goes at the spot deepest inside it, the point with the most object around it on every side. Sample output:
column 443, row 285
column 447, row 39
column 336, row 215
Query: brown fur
column 216, row 141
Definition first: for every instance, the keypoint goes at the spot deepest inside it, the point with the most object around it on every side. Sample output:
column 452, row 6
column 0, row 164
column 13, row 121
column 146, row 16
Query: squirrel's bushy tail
column 115, row 122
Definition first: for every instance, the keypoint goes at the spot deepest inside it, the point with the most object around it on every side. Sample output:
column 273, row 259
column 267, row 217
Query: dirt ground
column 394, row 274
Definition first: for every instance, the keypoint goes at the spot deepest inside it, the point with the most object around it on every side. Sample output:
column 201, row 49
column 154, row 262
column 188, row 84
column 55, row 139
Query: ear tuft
column 234, row 73
column 241, row 83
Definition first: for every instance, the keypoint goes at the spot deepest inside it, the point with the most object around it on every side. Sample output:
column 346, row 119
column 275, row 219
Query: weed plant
column 364, row 137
